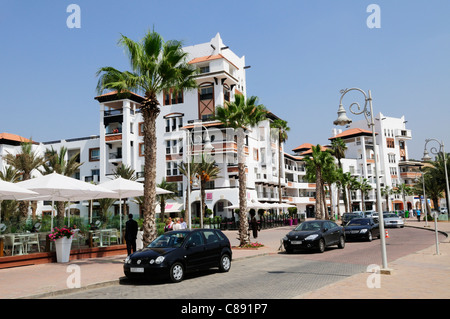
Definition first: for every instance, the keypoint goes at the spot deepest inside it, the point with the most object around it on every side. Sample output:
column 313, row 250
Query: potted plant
column 63, row 242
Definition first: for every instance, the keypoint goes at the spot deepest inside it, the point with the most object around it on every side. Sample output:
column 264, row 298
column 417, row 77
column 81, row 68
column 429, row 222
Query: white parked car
column 443, row 210
column 392, row 220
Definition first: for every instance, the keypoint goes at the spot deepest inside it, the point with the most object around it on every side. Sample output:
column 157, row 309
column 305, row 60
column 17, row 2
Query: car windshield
column 169, row 240
column 358, row 222
column 308, row 226
column 389, row 215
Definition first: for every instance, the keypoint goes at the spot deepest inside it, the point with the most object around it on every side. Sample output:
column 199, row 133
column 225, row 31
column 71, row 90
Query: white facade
column 222, row 75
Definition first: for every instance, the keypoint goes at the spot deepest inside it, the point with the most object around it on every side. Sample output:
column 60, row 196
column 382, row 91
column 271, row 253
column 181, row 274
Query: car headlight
column 159, row 260
column 127, row 260
column 363, row 231
column 312, row 237
column 285, row 238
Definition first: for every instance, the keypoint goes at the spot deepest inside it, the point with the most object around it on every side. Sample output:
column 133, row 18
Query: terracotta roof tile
column 352, row 133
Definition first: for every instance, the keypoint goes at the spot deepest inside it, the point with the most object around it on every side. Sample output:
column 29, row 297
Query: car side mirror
column 325, row 229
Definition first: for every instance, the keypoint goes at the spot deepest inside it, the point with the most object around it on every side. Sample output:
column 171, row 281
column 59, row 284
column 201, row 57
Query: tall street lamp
column 190, row 151
column 427, row 158
column 343, row 120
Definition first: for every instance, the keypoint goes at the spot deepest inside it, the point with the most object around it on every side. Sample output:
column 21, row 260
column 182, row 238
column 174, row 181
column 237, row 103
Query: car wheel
column 341, row 243
column 369, row 236
column 176, row 272
column 225, row 263
column 321, row 246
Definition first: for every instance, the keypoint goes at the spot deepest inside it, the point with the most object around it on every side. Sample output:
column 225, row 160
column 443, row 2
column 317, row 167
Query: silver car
column 392, row 220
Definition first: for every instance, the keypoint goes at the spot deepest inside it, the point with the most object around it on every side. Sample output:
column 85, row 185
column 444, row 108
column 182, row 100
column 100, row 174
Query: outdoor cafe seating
column 22, row 243
column 105, row 237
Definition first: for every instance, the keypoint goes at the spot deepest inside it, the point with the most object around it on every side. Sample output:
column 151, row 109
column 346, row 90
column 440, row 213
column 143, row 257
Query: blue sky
column 301, row 52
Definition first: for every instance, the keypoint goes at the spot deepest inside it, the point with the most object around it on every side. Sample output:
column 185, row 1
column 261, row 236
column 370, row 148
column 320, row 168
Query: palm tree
column 338, row 148
column 316, row 164
column 157, row 65
column 433, row 189
column 386, row 191
column 8, row 207
column 437, row 170
column 280, row 129
column 56, row 163
column 241, row 114
column 162, row 198
column 183, row 168
column 205, row 171
column 25, row 162
column 364, row 187
column 404, row 190
column 331, row 176
column 352, row 185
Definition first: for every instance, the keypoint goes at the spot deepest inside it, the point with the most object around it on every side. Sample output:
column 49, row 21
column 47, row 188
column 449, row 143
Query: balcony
column 403, row 134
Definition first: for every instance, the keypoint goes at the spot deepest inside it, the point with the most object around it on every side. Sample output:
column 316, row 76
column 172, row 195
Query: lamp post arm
column 355, row 107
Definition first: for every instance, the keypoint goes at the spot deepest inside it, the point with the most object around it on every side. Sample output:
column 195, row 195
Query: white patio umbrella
column 125, row 188
column 57, row 187
column 11, row 191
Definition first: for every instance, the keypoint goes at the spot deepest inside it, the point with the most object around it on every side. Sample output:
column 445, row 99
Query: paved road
column 275, row 276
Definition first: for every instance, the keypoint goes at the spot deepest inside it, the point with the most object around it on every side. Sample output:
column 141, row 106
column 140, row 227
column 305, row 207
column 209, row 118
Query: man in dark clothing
column 131, row 230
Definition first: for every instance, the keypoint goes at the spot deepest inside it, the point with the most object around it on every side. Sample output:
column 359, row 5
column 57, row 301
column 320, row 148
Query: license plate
column 296, row 242
column 136, row 269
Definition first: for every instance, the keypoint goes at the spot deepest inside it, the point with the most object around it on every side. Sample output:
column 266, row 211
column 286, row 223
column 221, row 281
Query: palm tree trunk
column 243, row 223
column 150, row 111
column 202, row 202
column 279, row 169
column 318, row 194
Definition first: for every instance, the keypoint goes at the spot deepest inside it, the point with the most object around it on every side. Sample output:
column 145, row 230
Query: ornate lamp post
column 343, row 120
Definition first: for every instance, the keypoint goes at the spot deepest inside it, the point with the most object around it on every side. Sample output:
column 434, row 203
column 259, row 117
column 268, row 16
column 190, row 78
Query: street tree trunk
column 243, row 223
column 150, row 111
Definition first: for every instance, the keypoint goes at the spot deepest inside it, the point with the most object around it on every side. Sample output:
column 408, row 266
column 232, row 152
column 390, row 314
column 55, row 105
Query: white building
column 222, row 75
column 120, row 139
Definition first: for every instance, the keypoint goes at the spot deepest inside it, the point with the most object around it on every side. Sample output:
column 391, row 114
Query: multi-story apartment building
column 395, row 167
column 185, row 122
column 184, row 117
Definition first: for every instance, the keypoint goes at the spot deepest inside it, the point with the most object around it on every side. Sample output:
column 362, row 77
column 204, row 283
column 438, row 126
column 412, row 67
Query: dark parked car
column 314, row 234
column 346, row 217
column 176, row 252
column 362, row 228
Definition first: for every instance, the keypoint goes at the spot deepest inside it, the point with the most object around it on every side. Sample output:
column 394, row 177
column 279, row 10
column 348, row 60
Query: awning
column 170, row 208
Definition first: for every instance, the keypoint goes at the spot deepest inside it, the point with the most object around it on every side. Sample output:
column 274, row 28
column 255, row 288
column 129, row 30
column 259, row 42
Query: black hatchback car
column 314, row 234
column 176, row 252
column 362, row 228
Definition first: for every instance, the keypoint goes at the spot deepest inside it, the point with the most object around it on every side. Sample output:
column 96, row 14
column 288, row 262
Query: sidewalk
column 421, row 275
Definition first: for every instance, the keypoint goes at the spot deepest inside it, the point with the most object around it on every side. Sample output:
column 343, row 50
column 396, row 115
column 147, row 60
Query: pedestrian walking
column 254, row 225
column 131, row 230
column 418, row 215
column 183, row 223
column 168, row 226
column 177, row 224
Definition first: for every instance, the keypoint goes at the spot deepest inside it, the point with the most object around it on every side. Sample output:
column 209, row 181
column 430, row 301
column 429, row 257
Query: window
column 204, row 69
column 390, row 143
column 174, row 123
column 196, row 239
column 226, row 93
column 172, row 169
column 171, row 97
column 206, row 93
column 141, row 149
column 94, row 154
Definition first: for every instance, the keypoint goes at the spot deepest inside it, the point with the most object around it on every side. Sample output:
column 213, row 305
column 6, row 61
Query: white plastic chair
column 14, row 241
column 33, row 239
